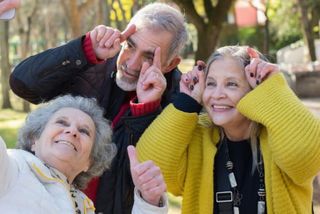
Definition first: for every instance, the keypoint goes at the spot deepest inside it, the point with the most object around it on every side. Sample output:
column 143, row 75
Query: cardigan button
column 78, row 62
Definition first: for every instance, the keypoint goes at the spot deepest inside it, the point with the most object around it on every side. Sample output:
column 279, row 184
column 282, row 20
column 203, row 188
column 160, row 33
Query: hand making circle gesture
column 258, row 70
column 193, row 82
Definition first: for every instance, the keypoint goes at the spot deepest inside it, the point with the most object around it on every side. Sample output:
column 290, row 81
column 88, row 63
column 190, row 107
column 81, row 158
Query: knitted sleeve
column 293, row 131
column 166, row 141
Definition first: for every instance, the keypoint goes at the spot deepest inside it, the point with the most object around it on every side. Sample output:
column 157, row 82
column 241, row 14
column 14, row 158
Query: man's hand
column 6, row 5
column 106, row 40
column 151, row 83
column 147, row 178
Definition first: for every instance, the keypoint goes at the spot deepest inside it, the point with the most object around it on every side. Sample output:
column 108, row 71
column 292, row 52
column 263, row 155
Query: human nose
column 72, row 131
column 218, row 93
column 134, row 62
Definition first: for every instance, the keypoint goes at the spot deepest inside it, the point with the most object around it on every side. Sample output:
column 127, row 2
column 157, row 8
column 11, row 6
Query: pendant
column 236, row 210
column 229, row 165
column 261, row 207
column 232, row 180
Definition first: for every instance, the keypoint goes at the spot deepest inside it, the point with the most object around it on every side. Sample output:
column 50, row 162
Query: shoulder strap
column 224, row 196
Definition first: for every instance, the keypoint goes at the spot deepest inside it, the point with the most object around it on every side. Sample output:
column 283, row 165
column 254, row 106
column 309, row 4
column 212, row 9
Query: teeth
column 221, row 107
column 67, row 143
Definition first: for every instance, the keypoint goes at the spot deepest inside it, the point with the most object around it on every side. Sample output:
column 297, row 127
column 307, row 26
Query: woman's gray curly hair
column 103, row 150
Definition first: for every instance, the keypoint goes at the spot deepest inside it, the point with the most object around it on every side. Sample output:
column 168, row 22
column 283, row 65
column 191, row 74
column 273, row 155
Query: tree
column 264, row 9
column 306, row 21
column 208, row 24
column 5, row 65
column 76, row 13
column 24, row 29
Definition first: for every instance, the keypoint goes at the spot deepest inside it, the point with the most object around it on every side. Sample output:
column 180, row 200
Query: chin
column 124, row 84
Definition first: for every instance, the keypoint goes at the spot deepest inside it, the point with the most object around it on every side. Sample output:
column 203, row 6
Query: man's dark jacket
column 65, row 70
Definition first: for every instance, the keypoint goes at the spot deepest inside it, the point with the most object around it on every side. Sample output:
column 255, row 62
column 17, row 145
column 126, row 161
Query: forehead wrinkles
column 148, row 39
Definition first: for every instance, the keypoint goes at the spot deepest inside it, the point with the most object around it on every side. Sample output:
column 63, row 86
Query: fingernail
column 257, row 82
column 200, row 67
column 195, row 80
column 251, row 74
column 191, row 87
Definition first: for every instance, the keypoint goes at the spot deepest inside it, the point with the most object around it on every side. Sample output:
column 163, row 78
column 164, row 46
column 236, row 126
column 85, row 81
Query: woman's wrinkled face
column 226, row 84
column 66, row 141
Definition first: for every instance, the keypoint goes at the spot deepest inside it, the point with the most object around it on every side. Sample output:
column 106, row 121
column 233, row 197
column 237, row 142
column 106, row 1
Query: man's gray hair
column 103, row 150
column 160, row 16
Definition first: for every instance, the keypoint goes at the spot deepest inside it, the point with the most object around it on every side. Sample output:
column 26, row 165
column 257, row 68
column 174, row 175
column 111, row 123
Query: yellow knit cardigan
column 184, row 145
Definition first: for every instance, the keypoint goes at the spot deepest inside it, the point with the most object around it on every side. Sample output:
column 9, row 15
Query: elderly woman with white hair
column 62, row 145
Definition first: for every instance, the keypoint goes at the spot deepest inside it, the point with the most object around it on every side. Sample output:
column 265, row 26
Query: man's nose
column 134, row 62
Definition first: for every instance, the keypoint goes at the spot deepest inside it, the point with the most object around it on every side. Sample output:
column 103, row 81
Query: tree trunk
column 207, row 40
column 75, row 20
column 208, row 25
column 25, row 26
column 5, row 65
column 307, row 29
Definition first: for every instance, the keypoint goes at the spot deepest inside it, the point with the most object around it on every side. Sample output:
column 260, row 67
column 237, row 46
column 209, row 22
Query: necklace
column 233, row 196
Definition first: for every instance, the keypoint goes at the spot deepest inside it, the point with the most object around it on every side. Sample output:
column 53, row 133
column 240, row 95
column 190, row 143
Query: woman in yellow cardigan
column 256, row 150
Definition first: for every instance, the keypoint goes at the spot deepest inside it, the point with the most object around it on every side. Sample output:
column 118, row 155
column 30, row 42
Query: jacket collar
column 44, row 172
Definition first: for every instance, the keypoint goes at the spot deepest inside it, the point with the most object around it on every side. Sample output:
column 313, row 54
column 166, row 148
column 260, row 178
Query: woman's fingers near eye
column 195, row 80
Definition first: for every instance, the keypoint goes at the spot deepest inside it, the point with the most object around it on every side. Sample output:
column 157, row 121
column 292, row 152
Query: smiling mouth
column 67, row 143
column 221, row 107
column 124, row 69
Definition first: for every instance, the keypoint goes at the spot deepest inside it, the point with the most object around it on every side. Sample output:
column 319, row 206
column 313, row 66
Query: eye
column 62, row 122
column 211, row 83
column 148, row 59
column 232, row 84
column 128, row 45
column 84, row 131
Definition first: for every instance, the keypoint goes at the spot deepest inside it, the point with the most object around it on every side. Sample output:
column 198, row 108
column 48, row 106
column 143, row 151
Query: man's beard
column 123, row 82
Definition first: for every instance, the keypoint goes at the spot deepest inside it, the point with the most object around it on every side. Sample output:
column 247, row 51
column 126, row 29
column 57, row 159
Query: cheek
column 205, row 96
column 87, row 146
column 237, row 97
column 122, row 56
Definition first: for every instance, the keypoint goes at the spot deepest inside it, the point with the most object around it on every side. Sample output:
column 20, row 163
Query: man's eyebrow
column 129, row 40
column 147, row 53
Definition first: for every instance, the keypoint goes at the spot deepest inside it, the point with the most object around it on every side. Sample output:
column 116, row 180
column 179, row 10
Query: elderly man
column 122, row 70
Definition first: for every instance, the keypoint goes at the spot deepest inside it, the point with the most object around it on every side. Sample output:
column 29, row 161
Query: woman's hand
column 193, row 82
column 147, row 178
column 258, row 70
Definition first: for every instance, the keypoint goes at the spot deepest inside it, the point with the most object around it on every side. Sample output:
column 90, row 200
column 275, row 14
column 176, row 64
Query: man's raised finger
column 131, row 29
column 157, row 58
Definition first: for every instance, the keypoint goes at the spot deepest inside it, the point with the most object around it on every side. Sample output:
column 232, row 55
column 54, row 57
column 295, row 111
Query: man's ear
column 174, row 62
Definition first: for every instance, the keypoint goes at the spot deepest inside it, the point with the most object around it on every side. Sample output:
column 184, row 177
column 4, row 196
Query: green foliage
column 285, row 25
column 252, row 36
column 10, row 122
